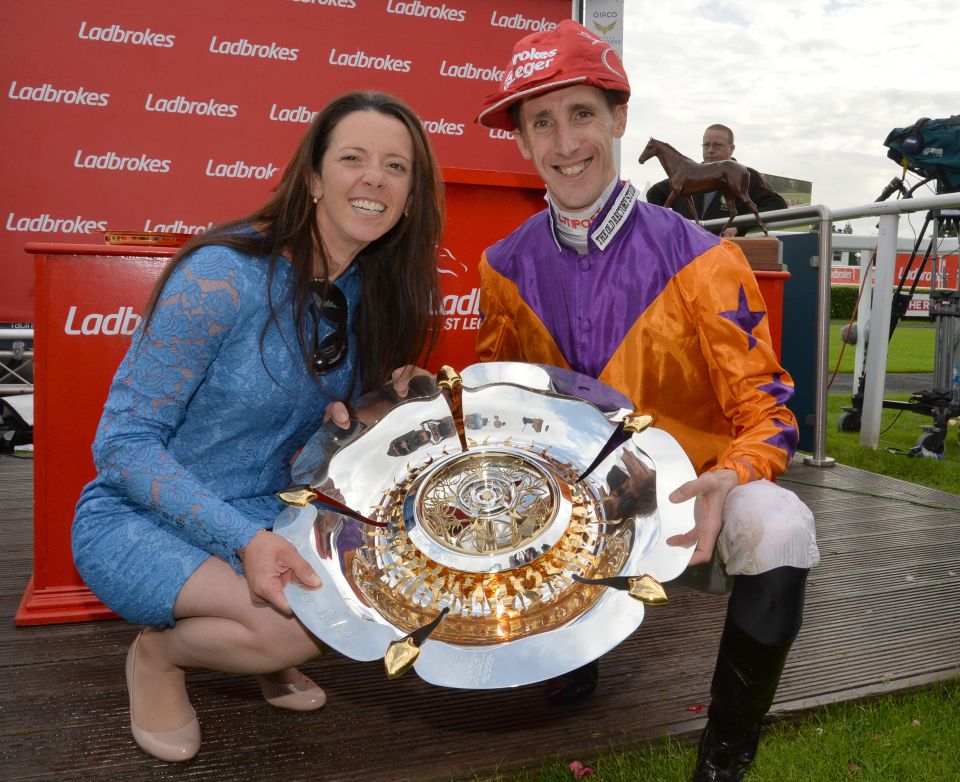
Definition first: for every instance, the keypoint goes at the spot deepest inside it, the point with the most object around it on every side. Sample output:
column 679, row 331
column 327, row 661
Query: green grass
column 913, row 737
column 899, row 430
column 909, row 350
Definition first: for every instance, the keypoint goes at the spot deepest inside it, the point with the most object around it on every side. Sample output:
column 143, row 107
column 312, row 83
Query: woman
column 254, row 331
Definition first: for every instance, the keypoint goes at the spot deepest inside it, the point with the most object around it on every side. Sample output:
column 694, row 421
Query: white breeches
column 764, row 527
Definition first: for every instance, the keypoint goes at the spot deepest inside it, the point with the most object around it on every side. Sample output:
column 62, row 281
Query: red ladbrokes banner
column 172, row 116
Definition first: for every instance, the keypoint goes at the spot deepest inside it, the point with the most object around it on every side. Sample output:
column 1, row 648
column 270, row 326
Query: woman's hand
column 400, row 381
column 401, row 377
column 338, row 413
column 270, row 563
column 711, row 490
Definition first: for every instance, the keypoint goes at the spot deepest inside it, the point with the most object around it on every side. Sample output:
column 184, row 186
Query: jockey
column 630, row 293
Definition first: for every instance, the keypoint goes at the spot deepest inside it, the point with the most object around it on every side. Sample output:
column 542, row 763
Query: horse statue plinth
column 687, row 178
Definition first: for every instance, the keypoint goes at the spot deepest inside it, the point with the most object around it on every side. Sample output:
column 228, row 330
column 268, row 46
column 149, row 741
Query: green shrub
column 842, row 300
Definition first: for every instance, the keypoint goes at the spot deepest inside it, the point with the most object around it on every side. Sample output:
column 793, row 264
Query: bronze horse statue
column 687, row 178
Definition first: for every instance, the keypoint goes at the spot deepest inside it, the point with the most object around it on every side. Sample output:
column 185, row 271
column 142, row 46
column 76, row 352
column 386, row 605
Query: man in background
column 718, row 145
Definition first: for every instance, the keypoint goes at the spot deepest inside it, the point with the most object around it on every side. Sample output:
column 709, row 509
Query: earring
column 316, row 200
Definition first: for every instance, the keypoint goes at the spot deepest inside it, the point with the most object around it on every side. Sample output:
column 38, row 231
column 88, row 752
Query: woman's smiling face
column 364, row 183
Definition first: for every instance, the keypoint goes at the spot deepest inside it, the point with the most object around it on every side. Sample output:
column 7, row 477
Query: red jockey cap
column 567, row 55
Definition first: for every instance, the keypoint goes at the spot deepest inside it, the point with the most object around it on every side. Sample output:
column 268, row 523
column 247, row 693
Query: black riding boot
column 763, row 618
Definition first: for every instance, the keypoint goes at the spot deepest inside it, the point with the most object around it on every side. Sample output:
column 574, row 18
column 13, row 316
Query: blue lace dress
column 198, row 431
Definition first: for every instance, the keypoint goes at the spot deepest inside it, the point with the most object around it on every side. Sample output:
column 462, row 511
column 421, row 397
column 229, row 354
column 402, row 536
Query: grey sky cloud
column 810, row 89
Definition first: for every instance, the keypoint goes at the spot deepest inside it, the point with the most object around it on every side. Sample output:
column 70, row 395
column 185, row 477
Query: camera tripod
column 942, row 402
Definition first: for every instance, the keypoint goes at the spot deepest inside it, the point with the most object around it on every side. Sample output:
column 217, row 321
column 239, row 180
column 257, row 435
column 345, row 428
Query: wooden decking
column 883, row 612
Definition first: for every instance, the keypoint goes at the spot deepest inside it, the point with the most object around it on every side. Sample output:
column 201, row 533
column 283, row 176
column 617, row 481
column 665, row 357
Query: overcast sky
column 811, row 89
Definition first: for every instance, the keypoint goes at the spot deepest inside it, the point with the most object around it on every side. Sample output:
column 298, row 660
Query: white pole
column 863, row 316
column 879, row 331
column 605, row 19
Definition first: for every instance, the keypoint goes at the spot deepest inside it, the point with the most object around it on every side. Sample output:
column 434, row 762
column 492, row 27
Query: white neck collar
column 573, row 227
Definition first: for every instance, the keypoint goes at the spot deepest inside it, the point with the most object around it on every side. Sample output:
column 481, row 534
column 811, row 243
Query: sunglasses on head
column 328, row 353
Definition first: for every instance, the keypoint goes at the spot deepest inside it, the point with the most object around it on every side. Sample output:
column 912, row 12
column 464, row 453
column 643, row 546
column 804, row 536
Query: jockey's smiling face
column 716, row 146
column 568, row 135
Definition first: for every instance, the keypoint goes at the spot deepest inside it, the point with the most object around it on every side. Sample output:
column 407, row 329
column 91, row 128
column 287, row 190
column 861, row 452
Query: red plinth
column 88, row 301
column 771, row 288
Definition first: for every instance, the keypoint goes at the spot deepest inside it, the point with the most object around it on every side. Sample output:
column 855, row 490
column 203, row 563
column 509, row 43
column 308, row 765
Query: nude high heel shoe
column 174, row 746
column 301, row 695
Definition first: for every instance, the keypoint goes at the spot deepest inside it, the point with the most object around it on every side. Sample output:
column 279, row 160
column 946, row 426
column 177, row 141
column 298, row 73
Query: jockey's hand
column 710, row 490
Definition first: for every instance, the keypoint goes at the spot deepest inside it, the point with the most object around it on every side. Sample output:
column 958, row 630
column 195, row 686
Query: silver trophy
column 491, row 529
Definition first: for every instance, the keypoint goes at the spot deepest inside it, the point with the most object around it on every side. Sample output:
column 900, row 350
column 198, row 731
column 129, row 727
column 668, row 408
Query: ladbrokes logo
column 47, row 93
column 447, row 263
column 470, row 71
column 116, row 34
column 328, row 3
column 426, row 11
column 360, row 59
column 462, row 311
column 176, row 227
column 467, row 304
column 526, row 63
column 264, row 51
column 111, row 161
column 181, row 104
column 500, row 135
column 442, row 127
column 123, row 321
column 240, row 169
column 520, row 22
column 299, row 114
column 50, row 225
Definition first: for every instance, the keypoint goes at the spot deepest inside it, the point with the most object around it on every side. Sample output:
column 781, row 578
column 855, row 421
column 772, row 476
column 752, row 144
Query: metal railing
column 888, row 213
column 19, row 354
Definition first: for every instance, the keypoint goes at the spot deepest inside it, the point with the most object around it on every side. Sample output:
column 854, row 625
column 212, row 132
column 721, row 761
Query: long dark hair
column 399, row 316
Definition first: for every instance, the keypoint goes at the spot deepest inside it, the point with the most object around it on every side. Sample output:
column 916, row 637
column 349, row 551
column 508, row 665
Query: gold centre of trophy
column 492, row 504
column 482, row 503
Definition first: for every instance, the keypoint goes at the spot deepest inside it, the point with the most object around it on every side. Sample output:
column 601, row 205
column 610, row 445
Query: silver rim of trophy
column 492, row 531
